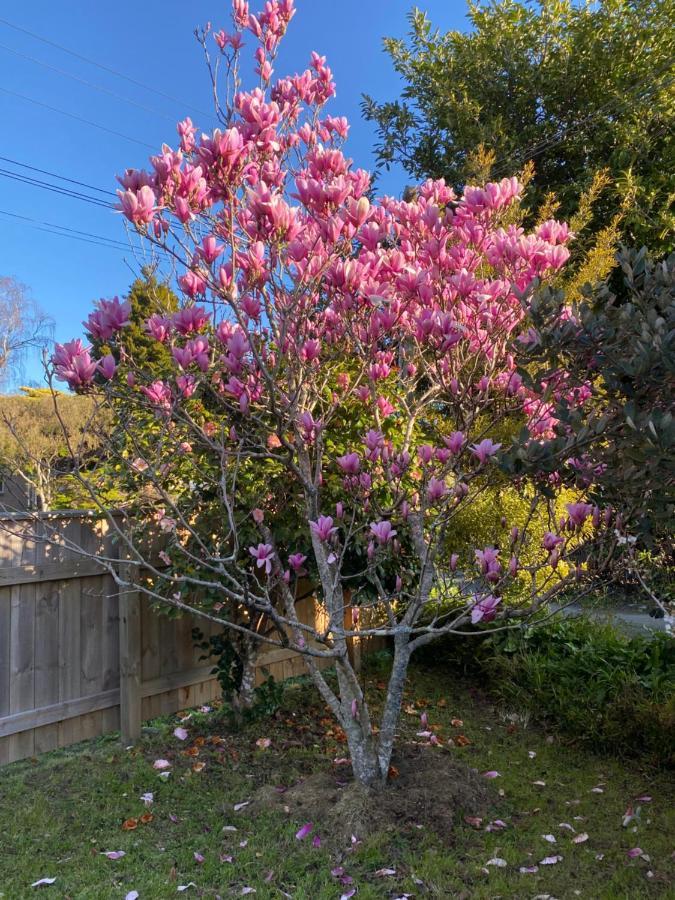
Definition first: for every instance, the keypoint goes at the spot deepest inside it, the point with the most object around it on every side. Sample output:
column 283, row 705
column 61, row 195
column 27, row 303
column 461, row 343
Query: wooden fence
column 78, row 657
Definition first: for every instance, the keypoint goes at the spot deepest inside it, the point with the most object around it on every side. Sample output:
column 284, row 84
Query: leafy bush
column 585, row 679
column 229, row 670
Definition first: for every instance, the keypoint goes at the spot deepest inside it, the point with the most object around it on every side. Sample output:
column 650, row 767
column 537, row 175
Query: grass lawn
column 63, row 812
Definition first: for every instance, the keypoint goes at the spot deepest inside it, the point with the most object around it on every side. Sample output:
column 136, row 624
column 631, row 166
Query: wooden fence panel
column 80, row 657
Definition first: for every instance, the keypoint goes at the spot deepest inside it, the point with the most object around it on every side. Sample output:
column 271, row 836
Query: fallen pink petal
column 491, row 774
column 114, row 854
column 550, row 860
column 180, row 733
column 580, row 838
column 43, row 882
column 302, row 833
column 161, row 764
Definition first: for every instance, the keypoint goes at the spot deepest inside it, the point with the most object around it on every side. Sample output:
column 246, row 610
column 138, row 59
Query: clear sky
column 150, row 41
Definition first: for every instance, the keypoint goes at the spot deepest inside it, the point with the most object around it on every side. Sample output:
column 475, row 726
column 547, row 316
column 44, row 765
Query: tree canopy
column 572, row 87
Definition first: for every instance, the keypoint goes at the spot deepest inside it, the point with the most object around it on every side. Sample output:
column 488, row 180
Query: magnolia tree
column 343, row 381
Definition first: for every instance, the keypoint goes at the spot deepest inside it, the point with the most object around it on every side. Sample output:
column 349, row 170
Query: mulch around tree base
column 431, row 790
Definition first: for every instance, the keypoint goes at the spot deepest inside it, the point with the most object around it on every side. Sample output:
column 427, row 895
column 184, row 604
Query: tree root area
column 429, row 790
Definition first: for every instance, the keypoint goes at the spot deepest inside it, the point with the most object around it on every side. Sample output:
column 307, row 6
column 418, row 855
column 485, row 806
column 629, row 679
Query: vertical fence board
column 92, row 638
column 46, row 660
column 130, row 659
column 21, row 673
column 5, row 620
column 150, row 661
column 69, row 656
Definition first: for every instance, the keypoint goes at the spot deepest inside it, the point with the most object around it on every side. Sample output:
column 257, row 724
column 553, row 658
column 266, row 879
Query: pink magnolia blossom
column 350, row 463
column 159, row 327
column 264, row 556
column 159, row 394
column 107, row 366
column 489, row 563
column 455, row 442
column 382, row 531
column 73, row 364
column 109, row 317
column 138, row 206
column 436, row 489
column 296, row 561
column 550, row 541
column 484, row 450
column 323, row 528
column 485, row 609
column 579, row 512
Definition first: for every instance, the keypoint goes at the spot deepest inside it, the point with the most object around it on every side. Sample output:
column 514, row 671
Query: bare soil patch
column 432, row 790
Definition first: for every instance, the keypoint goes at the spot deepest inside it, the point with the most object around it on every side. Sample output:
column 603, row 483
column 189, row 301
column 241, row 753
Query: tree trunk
column 392, row 704
column 364, row 758
column 248, row 653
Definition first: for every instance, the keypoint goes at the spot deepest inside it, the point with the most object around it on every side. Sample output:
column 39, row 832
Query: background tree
column 148, row 296
column 23, row 326
column 33, row 443
column 573, row 87
column 621, row 450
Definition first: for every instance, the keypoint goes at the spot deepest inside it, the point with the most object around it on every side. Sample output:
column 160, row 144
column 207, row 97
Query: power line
column 91, row 187
column 103, row 67
column 54, row 188
column 76, row 235
column 70, row 115
column 29, row 224
column 91, row 84
column 100, row 237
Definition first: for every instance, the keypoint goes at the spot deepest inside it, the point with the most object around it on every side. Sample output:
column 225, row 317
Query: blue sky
column 152, row 42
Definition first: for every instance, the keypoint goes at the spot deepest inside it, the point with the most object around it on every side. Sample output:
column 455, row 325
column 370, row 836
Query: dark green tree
column 572, row 87
column 148, row 296
column 621, row 442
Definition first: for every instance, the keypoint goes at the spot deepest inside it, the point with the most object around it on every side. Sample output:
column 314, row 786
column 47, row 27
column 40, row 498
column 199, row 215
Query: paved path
column 630, row 619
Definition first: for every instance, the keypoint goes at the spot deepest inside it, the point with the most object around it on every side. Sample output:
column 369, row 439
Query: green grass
column 60, row 812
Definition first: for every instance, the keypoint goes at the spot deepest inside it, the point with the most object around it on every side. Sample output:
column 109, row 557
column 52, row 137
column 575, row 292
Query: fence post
column 130, row 657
